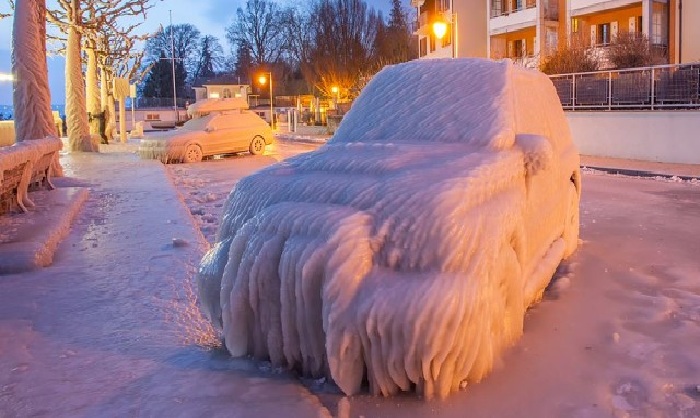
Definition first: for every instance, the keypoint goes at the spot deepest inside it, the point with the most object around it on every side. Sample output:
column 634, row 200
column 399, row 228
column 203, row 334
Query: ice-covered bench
column 22, row 165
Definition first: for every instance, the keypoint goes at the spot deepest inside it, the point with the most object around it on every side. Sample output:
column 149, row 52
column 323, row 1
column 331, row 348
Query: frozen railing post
column 121, row 92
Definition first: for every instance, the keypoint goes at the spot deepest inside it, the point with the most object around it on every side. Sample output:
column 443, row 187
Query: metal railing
column 166, row 102
column 650, row 88
column 500, row 9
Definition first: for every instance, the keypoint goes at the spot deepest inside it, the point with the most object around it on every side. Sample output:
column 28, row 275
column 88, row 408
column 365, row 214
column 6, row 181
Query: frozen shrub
column 571, row 58
column 633, row 50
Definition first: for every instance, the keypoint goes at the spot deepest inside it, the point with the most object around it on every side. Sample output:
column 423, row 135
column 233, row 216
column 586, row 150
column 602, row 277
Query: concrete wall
column 663, row 136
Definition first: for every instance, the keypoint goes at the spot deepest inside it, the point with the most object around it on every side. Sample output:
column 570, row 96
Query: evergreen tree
column 159, row 81
column 394, row 44
column 210, row 57
column 243, row 62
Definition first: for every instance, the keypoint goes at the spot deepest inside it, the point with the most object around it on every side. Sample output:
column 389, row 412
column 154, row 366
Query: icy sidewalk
column 111, row 329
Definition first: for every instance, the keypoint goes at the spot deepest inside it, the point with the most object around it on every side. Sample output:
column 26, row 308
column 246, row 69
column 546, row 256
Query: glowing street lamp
column 262, row 79
column 6, row 77
column 336, row 91
column 440, row 30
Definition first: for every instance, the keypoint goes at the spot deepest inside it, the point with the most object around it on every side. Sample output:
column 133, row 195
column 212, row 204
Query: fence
column 167, row 102
column 650, row 88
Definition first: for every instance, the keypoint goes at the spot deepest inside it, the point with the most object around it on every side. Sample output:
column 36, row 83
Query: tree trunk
column 31, row 96
column 92, row 95
column 79, row 138
column 107, row 103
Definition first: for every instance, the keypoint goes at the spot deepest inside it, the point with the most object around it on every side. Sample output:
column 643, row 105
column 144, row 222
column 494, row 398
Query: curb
column 639, row 173
column 43, row 230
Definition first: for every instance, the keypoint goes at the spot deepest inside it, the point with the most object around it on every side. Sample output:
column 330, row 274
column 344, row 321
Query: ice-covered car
column 406, row 250
column 220, row 132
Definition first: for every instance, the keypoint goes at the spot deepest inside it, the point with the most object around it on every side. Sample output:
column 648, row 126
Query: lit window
column 603, row 34
column 574, row 25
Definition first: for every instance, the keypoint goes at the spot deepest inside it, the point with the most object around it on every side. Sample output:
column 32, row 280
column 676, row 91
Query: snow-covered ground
column 205, row 186
column 111, row 329
column 617, row 333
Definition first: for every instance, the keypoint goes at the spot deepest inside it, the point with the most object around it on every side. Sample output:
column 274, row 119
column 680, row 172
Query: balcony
column 584, row 7
column 513, row 20
column 421, row 23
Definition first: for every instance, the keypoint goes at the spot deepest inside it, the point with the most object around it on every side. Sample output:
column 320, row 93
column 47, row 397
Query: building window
column 574, row 25
column 638, row 29
column 519, row 48
column 496, row 8
column 152, row 116
column 603, row 34
column 659, row 29
column 447, row 40
column 423, row 48
column 227, row 93
column 432, row 43
column 517, row 4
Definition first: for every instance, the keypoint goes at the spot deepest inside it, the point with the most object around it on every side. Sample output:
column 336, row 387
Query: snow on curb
column 313, row 139
column 30, row 240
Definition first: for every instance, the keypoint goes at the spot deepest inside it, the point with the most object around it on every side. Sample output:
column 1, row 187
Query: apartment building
column 527, row 30
column 465, row 34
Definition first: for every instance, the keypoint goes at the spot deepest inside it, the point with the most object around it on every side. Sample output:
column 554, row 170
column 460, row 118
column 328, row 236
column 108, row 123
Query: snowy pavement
column 112, row 330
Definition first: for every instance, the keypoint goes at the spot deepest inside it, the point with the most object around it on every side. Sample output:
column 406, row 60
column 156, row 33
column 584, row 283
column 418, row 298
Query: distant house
column 220, row 87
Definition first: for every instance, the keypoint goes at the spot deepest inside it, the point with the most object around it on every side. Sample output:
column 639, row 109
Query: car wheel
column 193, row 154
column 257, row 145
column 572, row 225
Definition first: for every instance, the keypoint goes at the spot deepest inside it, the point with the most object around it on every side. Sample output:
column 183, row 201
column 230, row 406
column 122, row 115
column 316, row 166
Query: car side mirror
column 208, row 129
column 537, row 151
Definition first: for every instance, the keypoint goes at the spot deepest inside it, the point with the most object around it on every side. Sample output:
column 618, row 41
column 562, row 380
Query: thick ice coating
column 406, row 250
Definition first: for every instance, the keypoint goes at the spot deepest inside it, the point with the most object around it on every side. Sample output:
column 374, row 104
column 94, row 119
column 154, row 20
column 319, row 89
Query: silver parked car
column 214, row 134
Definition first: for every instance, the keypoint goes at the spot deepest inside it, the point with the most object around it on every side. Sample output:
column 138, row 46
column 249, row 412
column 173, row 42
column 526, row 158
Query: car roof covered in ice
column 469, row 101
column 216, row 105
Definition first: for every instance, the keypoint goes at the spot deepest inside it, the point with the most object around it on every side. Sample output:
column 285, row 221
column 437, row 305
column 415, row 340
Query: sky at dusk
column 210, row 16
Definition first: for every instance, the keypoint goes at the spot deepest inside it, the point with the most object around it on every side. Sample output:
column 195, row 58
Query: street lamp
column 440, row 30
column 6, row 77
column 336, row 91
column 262, row 80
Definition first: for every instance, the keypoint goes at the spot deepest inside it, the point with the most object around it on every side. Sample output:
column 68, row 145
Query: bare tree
column 633, row 50
column 344, row 45
column 572, row 58
column 186, row 40
column 31, row 97
column 83, row 19
column 260, row 26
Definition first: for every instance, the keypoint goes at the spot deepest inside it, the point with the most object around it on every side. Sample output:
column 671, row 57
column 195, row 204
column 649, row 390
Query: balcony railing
column 502, row 11
column 648, row 88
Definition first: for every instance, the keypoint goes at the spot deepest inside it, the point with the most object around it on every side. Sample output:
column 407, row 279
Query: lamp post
column 336, row 91
column 262, row 80
column 172, row 47
column 440, row 30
